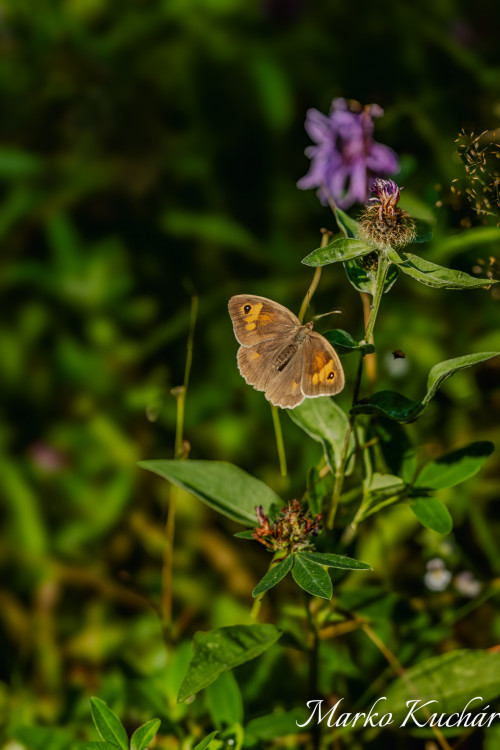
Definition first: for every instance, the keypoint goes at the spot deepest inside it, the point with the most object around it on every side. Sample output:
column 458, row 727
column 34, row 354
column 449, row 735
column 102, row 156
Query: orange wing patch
column 253, row 315
column 324, row 370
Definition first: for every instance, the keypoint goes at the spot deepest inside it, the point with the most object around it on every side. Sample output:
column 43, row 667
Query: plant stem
column 280, row 445
column 383, row 265
column 179, row 394
column 401, row 672
column 325, row 238
column 313, row 666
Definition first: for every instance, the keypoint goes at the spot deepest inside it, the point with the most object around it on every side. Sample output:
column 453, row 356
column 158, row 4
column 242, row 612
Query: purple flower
column 345, row 159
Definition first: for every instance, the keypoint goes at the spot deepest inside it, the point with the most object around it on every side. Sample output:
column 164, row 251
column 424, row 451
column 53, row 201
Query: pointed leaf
column 344, row 343
column 364, row 279
column 388, row 404
column 331, row 560
column 350, row 227
column 206, row 741
column 444, row 370
column 338, row 250
column 436, row 276
column 455, row 467
column 452, row 679
column 312, row 577
column 144, row 735
column 108, row 724
column 223, row 486
column 274, row 575
column 277, row 725
column 424, row 231
column 217, row 650
column 325, row 422
column 432, row 514
column 395, row 406
column 247, row 534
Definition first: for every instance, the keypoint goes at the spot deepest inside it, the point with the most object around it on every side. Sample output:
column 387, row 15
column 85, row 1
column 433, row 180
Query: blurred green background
column 150, row 151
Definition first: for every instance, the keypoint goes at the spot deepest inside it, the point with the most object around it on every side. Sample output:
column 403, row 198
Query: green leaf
column 451, row 679
column 144, row 735
column 344, row 343
column 396, row 447
column 388, row 404
column 455, row 467
column 331, row 560
column 424, row 231
column 444, row 370
column 218, row 650
column 224, row 700
column 432, row 514
column 206, row 741
column 311, row 577
column 247, row 534
column 338, row 250
column 318, row 488
column 350, row 227
column 108, row 724
column 395, row 406
column 325, row 422
column 277, row 725
column 274, row 575
column 364, row 279
column 223, row 486
column 436, row 276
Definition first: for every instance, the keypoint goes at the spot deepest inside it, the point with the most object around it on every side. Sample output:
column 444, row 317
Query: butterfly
column 280, row 356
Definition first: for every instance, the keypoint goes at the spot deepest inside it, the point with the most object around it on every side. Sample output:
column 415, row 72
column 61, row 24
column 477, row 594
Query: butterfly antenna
column 323, row 315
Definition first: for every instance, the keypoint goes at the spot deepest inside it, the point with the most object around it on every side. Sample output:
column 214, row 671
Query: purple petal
column 382, row 159
column 317, row 126
column 357, row 191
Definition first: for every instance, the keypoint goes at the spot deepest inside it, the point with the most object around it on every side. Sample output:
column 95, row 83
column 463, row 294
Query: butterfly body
column 279, row 355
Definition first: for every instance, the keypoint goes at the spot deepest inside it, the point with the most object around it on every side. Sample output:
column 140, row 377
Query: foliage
column 148, row 156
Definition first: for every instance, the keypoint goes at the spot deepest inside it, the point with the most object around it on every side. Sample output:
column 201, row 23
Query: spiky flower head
column 383, row 223
column 291, row 530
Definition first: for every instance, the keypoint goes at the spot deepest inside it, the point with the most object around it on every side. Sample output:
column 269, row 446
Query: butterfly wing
column 322, row 373
column 260, row 366
column 284, row 389
column 257, row 319
column 255, row 363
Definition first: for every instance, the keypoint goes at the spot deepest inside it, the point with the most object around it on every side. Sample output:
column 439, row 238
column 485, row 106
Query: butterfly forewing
column 322, row 374
column 256, row 319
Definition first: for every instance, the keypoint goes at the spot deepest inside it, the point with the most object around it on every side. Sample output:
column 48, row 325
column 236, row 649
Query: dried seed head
column 383, row 223
column 291, row 531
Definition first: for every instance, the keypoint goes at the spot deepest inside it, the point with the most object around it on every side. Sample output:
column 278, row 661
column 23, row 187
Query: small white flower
column 438, row 576
column 467, row 585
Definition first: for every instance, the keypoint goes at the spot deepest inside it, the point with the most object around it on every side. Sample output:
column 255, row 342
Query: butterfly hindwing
column 256, row 319
column 322, row 374
column 283, row 388
column 255, row 363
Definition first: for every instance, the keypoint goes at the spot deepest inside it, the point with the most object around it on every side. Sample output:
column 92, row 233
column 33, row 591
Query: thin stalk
column 280, row 445
column 179, row 394
column 325, row 238
column 313, row 666
column 383, row 265
column 401, row 672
